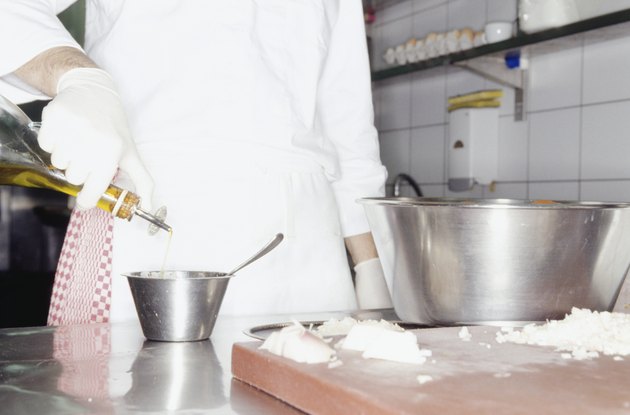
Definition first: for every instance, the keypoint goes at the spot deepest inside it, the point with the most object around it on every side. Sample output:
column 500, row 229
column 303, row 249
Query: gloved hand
column 86, row 131
column 370, row 285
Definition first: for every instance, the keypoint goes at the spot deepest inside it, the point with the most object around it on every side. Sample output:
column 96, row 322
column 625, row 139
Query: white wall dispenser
column 473, row 147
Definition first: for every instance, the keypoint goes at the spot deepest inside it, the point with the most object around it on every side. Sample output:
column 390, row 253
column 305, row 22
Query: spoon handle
column 264, row 251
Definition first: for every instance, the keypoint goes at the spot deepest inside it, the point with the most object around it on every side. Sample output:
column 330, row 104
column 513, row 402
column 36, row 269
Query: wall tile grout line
column 581, row 124
column 413, row 14
column 445, row 134
column 500, row 183
column 527, row 148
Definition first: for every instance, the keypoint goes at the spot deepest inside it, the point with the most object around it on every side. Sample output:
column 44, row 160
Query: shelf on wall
column 607, row 21
column 489, row 60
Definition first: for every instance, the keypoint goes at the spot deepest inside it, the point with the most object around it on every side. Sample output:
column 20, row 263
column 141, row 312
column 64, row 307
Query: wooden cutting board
column 478, row 376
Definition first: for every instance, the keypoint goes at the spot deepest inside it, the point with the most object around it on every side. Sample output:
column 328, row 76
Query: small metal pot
column 177, row 305
column 471, row 261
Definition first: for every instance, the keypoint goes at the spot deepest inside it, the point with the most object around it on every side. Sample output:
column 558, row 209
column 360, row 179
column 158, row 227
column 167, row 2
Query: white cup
column 498, row 31
column 535, row 15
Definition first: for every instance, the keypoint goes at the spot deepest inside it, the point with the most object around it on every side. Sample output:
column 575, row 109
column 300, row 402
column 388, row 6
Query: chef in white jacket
column 244, row 117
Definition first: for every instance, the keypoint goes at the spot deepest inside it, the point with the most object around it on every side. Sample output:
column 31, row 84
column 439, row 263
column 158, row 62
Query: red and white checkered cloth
column 82, row 288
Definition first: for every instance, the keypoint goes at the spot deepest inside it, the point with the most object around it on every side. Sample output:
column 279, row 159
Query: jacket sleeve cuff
column 351, row 212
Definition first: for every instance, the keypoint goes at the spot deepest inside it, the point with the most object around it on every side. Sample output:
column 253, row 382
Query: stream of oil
column 168, row 248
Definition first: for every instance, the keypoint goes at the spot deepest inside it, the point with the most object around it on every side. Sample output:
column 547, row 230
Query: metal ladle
column 264, row 251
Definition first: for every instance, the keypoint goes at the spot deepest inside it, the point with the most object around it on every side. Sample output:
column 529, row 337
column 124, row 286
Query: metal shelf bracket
column 494, row 68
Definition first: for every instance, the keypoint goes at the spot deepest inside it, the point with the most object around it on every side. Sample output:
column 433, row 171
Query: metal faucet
column 402, row 177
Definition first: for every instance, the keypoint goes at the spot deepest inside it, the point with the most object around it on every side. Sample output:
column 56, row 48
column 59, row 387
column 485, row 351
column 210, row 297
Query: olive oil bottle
column 24, row 163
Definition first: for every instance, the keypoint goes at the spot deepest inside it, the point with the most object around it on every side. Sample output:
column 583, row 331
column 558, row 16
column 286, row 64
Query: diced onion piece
column 297, row 343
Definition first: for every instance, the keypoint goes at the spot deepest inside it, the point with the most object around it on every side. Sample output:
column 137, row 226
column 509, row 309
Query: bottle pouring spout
column 156, row 220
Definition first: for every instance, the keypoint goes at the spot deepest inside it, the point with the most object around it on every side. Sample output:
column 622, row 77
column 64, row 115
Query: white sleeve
column 27, row 28
column 347, row 116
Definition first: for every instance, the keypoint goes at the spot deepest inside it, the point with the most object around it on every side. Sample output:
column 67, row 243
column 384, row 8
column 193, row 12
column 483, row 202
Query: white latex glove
column 86, row 131
column 370, row 285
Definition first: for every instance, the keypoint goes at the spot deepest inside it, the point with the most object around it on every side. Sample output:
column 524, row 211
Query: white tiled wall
column 574, row 143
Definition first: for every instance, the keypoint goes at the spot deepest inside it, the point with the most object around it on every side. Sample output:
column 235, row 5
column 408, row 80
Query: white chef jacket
column 253, row 117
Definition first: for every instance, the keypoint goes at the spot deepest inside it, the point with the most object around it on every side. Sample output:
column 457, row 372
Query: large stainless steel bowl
column 177, row 305
column 468, row 261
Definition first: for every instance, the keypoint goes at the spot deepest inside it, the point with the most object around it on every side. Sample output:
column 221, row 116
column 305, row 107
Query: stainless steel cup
column 177, row 305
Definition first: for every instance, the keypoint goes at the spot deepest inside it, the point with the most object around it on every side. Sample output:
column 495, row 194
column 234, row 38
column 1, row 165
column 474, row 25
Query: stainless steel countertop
column 103, row 368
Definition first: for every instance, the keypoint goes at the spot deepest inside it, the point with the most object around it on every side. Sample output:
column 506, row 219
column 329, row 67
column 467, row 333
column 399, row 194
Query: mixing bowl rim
column 470, row 203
